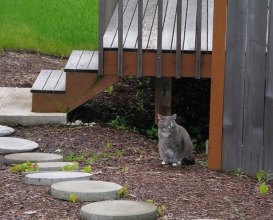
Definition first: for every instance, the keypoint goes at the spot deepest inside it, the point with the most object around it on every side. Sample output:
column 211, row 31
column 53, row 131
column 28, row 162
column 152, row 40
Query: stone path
column 31, row 157
column 119, row 210
column 63, row 184
column 52, row 166
column 48, row 178
column 5, row 131
column 16, row 145
column 91, row 191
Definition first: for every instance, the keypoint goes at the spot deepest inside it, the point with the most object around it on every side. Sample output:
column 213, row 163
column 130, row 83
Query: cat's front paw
column 174, row 164
column 163, row 163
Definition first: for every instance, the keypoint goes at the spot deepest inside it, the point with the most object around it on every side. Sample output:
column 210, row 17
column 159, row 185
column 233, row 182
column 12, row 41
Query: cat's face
column 166, row 125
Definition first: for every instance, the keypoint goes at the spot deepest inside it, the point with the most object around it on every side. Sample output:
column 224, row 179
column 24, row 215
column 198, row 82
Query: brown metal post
column 217, row 85
column 163, row 97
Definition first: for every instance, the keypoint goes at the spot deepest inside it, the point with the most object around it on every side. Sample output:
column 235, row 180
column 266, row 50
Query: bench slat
column 41, row 80
column 74, row 59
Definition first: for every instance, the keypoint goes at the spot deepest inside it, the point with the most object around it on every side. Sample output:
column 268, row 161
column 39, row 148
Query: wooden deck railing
column 106, row 10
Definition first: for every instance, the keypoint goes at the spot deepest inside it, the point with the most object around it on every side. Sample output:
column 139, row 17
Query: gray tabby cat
column 175, row 145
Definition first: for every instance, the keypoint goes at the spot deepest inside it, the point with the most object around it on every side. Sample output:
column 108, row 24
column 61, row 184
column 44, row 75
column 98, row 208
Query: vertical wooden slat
column 139, row 39
column 120, row 37
column 254, row 86
column 178, row 37
column 234, row 85
column 159, row 38
column 198, row 39
column 102, row 21
column 217, row 85
column 268, row 119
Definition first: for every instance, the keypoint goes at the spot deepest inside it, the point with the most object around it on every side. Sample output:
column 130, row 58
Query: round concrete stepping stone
column 48, row 178
column 5, row 131
column 91, row 191
column 52, row 166
column 31, row 157
column 9, row 145
column 119, row 210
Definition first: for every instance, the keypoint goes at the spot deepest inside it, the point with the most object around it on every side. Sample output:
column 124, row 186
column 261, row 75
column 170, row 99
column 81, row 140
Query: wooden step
column 50, row 81
column 82, row 61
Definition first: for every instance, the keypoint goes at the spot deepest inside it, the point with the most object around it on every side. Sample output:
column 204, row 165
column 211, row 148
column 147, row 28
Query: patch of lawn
column 53, row 27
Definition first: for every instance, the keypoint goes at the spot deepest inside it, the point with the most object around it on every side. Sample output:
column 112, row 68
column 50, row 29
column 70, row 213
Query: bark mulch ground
column 182, row 192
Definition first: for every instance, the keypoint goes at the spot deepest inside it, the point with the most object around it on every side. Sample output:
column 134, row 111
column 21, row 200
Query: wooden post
column 217, row 85
column 163, row 97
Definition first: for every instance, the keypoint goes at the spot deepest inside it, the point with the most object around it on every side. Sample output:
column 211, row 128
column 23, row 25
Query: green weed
column 263, row 178
column 24, row 167
column 70, row 167
column 87, row 169
column 118, row 123
column 73, row 198
column 123, row 192
column 152, row 133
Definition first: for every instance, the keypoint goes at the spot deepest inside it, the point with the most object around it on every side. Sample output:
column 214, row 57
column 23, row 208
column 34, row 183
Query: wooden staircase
column 63, row 91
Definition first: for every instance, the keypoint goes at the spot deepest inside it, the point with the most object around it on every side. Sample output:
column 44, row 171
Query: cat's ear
column 159, row 117
column 173, row 117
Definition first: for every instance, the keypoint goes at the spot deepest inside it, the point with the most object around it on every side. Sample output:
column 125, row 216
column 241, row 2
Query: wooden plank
column 148, row 22
column 190, row 32
column 254, row 86
column 52, row 80
column 127, row 18
column 93, row 65
column 60, row 87
column 149, row 64
column 210, row 23
column 73, row 60
column 183, row 24
column 85, row 60
column 41, row 81
column 268, row 119
column 198, row 38
column 169, row 24
column 153, row 38
column 217, row 85
column 131, row 39
column 234, row 86
column 112, row 28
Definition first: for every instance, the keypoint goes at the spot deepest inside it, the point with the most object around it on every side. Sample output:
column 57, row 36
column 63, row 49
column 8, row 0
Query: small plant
column 263, row 178
column 108, row 145
column 118, row 123
column 24, row 167
column 239, row 172
column 87, row 169
column 110, row 90
column 152, row 133
column 73, row 198
column 124, row 170
column 160, row 209
column 70, row 167
column 123, row 192
column 204, row 163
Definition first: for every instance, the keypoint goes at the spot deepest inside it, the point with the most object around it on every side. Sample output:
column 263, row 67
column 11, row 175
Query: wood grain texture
column 234, row 86
column 254, row 86
column 149, row 64
column 268, row 119
column 217, row 85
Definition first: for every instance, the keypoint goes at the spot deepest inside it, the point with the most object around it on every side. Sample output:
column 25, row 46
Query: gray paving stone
column 52, row 166
column 119, row 210
column 5, row 131
column 48, row 178
column 91, row 191
column 10, row 145
column 31, row 157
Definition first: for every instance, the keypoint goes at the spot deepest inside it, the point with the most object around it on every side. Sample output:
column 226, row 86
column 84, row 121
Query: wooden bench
column 50, row 81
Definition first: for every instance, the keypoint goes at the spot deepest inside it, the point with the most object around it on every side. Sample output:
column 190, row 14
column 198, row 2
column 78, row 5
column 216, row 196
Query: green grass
column 54, row 27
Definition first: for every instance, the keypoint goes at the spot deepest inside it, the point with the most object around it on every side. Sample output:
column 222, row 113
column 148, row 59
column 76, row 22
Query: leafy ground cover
column 181, row 192
column 48, row 26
